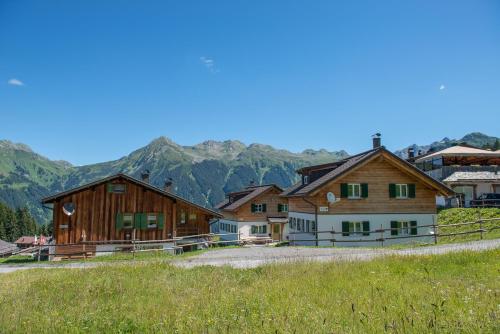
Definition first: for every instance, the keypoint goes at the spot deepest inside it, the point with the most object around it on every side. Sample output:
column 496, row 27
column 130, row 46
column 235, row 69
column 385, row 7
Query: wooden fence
column 434, row 233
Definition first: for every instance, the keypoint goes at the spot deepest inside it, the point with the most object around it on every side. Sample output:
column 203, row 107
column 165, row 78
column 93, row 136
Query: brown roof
column 52, row 198
column 344, row 166
column 459, row 150
column 245, row 196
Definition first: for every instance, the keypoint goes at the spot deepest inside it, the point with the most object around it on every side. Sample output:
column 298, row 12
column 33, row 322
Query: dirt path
column 254, row 256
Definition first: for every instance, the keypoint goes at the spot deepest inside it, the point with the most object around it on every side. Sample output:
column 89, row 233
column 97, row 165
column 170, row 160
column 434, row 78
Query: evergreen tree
column 496, row 146
column 8, row 218
column 26, row 224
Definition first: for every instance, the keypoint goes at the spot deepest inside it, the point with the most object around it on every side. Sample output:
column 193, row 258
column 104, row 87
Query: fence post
column 434, row 227
column 480, row 223
column 382, row 235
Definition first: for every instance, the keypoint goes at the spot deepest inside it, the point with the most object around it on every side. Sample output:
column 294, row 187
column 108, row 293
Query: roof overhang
column 56, row 197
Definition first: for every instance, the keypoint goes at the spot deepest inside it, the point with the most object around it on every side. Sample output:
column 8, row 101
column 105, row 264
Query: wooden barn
column 120, row 208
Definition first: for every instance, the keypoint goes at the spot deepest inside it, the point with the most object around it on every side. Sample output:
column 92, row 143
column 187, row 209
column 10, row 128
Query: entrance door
column 276, row 235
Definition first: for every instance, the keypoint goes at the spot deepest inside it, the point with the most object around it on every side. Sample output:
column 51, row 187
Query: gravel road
column 254, row 256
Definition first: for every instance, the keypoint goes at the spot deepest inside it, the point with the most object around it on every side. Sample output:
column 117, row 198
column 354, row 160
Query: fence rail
column 433, row 233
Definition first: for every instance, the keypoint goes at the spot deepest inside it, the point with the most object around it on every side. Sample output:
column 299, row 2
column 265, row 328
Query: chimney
column 168, row 187
column 145, row 176
column 376, row 140
column 411, row 152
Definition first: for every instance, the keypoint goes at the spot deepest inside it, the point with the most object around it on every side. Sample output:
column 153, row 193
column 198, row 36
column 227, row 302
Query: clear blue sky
column 89, row 81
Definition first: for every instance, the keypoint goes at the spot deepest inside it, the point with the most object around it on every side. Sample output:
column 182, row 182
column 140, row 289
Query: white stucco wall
column 377, row 221
column 244, row 228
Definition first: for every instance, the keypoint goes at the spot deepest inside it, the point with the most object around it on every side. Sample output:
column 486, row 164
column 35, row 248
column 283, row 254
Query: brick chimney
column 377, row 141
column 169, row 185
column 145, row 176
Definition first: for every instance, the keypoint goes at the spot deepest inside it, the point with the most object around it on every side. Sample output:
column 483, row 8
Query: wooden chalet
column 373, row 190
column 256, row 211
column 121, row 207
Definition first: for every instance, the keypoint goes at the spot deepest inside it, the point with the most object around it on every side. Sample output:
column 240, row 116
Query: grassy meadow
column 441, row 294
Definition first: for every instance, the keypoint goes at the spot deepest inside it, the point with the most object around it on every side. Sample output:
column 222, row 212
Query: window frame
column 399, row 188
column 258, row 208
column 353, row 186
column 132, row 216
column 151, row 225
column 354, row 226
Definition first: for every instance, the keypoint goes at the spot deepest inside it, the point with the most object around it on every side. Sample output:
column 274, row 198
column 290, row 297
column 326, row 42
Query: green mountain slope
column 202, row 173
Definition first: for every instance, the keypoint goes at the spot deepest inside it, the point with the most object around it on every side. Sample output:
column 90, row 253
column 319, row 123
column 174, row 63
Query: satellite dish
column 69, row 208
column 330, row 197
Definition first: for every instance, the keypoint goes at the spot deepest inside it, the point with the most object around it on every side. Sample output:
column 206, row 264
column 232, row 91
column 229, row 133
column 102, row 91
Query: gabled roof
column 162, row 192
column 244, row 196
column 30, row 240
column 459, row 150
column 347, row 165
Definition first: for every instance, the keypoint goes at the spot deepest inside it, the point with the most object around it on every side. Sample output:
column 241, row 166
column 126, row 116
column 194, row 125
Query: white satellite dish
column 68, row 209
column 330, row 197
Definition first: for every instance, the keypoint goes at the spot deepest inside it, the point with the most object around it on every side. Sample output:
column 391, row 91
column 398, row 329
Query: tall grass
column 441, row 294
column 462, row 215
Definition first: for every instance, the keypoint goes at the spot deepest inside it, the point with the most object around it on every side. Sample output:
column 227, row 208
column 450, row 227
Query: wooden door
column 276, row 232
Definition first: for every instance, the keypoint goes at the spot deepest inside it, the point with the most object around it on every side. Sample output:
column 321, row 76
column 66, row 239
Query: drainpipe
column 315, row 217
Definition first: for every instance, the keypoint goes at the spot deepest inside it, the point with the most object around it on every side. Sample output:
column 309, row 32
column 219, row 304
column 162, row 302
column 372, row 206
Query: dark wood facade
column 98, row 213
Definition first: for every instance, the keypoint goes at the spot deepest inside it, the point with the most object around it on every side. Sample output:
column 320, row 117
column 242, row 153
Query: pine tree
column 496, row 146
column 26, row 224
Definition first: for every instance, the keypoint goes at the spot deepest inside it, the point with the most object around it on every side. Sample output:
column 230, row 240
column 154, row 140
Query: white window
column 128, row 220
column 283, row 207
column 307, row 229
column 255, row 229
column 404, row 228
column 306, row 179
column 152, row 220
column 401, row 191
column 298, row 224
column 313, row 226
column 258, row 208
column 354, row 190
column 355, row 227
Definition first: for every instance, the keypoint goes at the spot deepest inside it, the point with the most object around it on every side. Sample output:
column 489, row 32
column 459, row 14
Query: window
column 255, row 229
column 282, row 207
column 401, row 191
column 313, row 226
column 298, row 224
column 355, row 228
column 306, row 179
column 404, row 228
column 117, row 188
column 152, row 220
column 354, row 190
column 257, row 208
column 307, row 225
column 183, row 218
column 192, row 216
column 233, row 229
column 128, row 220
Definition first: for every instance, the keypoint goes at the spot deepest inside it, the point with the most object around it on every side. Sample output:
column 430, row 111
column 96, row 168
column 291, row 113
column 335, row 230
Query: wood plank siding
column 378, row 174
column 96, row 210
column 271, row 198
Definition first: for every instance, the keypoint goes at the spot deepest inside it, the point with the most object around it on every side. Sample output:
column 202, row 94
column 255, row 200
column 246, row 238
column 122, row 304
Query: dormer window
column 306, row 179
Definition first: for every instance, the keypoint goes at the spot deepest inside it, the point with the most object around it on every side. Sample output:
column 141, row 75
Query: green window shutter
column 413, row 229
column 394, row 228
column 343, row 190
column 264, row 207
column 392, row 190
column 411, row 190
column 144, row 221
column 345, row 229
column 109, row 187
column 280, row 207
column 253, row 229
column 364, row 190
column 252, row 207
column 119, row 221
column 137, row 220
column 161, row 221
column 366, row 228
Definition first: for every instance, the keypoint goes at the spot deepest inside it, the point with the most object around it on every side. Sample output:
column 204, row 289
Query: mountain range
column 202, row 173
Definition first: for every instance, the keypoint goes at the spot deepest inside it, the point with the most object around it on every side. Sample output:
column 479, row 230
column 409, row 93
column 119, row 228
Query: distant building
column 470, row 171
column 30, row 241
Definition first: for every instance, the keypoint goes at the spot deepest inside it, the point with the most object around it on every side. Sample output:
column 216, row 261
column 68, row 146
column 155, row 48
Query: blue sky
column 90, row 81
